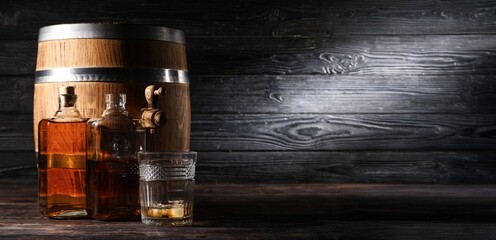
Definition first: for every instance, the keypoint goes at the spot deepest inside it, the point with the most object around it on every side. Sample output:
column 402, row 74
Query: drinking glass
column 167, row 181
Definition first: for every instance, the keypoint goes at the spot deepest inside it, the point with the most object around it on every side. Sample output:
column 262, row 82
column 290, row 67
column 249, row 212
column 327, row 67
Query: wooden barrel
column 116, row 58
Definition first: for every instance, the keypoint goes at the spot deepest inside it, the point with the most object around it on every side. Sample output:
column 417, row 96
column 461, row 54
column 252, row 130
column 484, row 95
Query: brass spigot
column 151, row 117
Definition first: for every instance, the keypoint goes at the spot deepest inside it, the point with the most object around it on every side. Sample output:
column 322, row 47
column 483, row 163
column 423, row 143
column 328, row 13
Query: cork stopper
column 67, row 90
column 67, row 96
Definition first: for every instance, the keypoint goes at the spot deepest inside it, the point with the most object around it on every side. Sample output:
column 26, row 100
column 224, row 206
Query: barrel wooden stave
column 173, row 136
column 107, row 47
column 112, row 53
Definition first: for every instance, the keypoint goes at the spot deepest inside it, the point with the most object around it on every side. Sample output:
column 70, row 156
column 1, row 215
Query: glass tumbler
column 167, row 181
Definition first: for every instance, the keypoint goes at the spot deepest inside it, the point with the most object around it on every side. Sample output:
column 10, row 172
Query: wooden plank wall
column 295, row 91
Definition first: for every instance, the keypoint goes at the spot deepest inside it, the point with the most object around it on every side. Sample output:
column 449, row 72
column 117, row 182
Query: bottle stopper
column 67, row 90
column 67, row 96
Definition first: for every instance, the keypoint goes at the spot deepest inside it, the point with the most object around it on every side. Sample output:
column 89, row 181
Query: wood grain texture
column 17, row 57
column 16, row 94
column 392, row 167
column 18, row 166
column 16, row 132
column 343, row 54
column 81, row 53
column 311, row 132
column 304, row 91
column 343, row 94
column 22, row 18
column 303, row 211
column 259, row 132
column 253, row 94
column 173, row 136
column 419, row 167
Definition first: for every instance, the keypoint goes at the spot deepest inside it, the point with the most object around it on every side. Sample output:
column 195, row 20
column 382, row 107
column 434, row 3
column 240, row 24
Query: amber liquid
column 62, row 169
column 113, row 189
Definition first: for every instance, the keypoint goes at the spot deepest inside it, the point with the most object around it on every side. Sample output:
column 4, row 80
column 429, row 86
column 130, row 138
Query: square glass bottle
column 62, row 161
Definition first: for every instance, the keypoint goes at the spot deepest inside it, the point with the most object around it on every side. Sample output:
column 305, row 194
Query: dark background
column 343, row 91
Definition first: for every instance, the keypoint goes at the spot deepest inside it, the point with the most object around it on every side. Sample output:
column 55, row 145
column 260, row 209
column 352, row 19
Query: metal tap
column 151, row 117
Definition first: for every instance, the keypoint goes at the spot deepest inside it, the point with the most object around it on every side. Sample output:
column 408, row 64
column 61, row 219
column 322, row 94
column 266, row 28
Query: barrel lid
column 110, row 31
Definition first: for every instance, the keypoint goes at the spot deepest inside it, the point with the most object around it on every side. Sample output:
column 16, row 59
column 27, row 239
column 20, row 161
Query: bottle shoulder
column 115, row 112
column 68, row 114
column 63, row 120
column 114, row 122
column 69, row 120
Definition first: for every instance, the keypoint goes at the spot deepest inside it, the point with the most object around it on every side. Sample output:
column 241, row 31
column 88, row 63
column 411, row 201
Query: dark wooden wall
column 393, row 91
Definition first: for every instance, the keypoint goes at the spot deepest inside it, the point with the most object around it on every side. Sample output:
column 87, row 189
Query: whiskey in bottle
column 112, row 166
column 62, row 161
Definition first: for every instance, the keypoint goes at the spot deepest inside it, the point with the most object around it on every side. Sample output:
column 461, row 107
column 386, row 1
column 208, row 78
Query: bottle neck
column 115, row 105
column 67, row 108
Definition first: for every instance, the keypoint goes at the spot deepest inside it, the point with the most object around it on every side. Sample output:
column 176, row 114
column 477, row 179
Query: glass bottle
column 62, row 161
column 112, row 166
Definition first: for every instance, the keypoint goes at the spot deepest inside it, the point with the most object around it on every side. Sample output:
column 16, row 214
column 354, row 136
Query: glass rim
column 157, row 153
column 173, row 157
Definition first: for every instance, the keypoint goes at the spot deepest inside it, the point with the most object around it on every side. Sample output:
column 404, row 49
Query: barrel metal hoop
column 112, row 75
column 110, row 31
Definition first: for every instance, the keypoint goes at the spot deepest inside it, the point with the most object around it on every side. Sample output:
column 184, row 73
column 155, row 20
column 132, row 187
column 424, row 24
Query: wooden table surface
column 301, row 211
